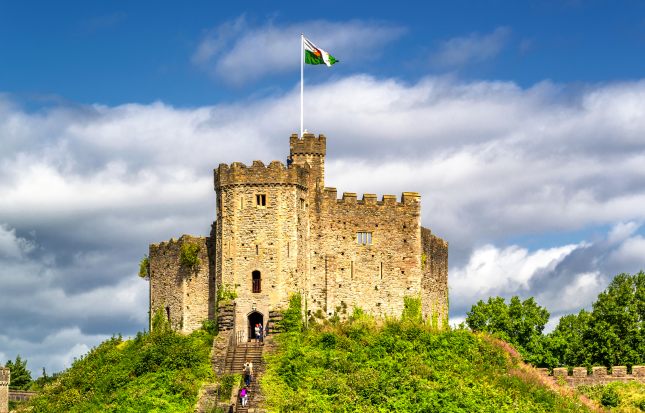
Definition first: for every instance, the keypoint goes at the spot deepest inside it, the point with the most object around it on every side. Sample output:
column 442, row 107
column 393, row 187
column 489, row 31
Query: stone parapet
column 412, row 199
column 276, row 173
column 308, row 145
column 599, row 375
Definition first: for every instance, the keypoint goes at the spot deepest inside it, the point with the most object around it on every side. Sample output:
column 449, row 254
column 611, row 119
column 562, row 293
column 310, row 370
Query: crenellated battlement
column 5, row 376
column 275, row 173
column 598, row 375
column 280, row 230
column 308, row 145
column 412, row 199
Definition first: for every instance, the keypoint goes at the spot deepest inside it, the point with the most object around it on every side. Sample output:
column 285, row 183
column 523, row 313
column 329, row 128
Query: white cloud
column 84, row 190
column 472, row 48
column 238, row 52
column 492, row 271
column 563, row 279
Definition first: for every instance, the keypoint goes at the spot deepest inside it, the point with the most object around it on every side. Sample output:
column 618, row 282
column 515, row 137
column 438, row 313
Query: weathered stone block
column 579, row 372
column 560, row 372
column 638, row 371
column 599, row 371
column 619, row 371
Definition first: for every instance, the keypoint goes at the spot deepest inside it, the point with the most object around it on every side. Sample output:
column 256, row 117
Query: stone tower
column 262, row 223
column 5, row 378
column 279, row 230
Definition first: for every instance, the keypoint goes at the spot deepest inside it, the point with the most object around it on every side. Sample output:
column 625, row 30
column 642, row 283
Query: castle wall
column 598, row 375
column 182, row 292
column 5, row 378
column 434, row 284
column 376, row 276
column 270, row 238
column 281, row 221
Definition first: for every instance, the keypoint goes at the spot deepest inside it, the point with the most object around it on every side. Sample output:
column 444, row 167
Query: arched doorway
column 254, row 318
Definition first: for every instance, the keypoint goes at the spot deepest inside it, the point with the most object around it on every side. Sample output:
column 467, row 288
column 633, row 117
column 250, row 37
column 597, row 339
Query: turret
column 310, row 150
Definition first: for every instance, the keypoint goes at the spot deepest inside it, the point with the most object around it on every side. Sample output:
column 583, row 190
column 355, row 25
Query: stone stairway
column 235, row 364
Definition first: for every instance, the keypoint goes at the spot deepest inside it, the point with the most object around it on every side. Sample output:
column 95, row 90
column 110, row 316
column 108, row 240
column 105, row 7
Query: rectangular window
column 364, row 238
column 261, row 200
column 302, row 203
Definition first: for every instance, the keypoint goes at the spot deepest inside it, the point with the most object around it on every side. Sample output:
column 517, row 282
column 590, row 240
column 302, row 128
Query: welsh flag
column 317, row 56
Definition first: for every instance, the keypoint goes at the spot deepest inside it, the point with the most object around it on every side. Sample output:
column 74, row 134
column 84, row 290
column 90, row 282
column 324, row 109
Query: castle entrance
column 255, row 318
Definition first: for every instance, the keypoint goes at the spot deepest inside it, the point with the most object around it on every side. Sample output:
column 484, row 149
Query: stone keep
column 279, row 230
column 5, row 378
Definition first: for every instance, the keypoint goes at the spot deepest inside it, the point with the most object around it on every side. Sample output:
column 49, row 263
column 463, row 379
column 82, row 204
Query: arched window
column 257, row 281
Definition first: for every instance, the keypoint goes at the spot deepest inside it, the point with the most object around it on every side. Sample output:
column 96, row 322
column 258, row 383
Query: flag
column 317, row 56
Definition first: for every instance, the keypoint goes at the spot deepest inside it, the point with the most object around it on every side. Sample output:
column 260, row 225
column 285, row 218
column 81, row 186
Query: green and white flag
column 315, row 55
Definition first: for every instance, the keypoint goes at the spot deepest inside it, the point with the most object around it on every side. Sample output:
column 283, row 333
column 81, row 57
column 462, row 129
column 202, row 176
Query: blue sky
column 118, row 52
column 522, row 125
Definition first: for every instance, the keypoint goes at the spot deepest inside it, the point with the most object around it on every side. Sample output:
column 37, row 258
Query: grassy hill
column 361, row 365
column 402, row 366
column 160, row 371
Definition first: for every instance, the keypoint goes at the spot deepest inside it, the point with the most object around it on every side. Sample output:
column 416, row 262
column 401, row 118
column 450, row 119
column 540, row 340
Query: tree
column 20, row 376
column 520, row 323
column 567, row 343
column 616, row 331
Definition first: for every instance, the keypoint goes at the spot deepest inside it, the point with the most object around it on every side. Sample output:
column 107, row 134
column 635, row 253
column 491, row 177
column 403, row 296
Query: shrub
column 292, row 317
column 144, row 267
column 226, row 292
column 412, row 309
column 610, row 397
column 189, row 256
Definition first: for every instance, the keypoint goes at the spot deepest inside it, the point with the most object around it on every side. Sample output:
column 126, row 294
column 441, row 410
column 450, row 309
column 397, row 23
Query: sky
column 522, row 125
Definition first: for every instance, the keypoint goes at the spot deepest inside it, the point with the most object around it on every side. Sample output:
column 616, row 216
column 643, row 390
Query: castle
column 278, row 231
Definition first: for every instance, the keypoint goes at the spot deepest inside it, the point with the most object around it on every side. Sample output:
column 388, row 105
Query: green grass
column 400, row 366
column 160, row 371
column 629, row 397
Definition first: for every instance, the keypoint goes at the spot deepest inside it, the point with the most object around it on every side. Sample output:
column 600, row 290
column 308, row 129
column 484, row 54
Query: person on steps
column 248, row 372
column 257, row 332
column 244, row 396
column 261, row 334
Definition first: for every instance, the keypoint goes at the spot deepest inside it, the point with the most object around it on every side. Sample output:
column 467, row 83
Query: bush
column 610, row 397
column 226, row 292
column 144, row 267
column 398, row 366
column 292, row 317
column 156, row 371
column 189, row 256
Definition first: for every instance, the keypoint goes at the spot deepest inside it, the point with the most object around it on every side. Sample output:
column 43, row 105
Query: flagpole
column 302, row 82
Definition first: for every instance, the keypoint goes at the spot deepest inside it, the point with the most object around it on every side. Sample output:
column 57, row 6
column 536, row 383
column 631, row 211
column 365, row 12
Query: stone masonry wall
column 266, row 238
column 182, row 292
column 598, row 375
column 376, row 276
column 434, row 284
column 5, row 378
column 302, row 239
